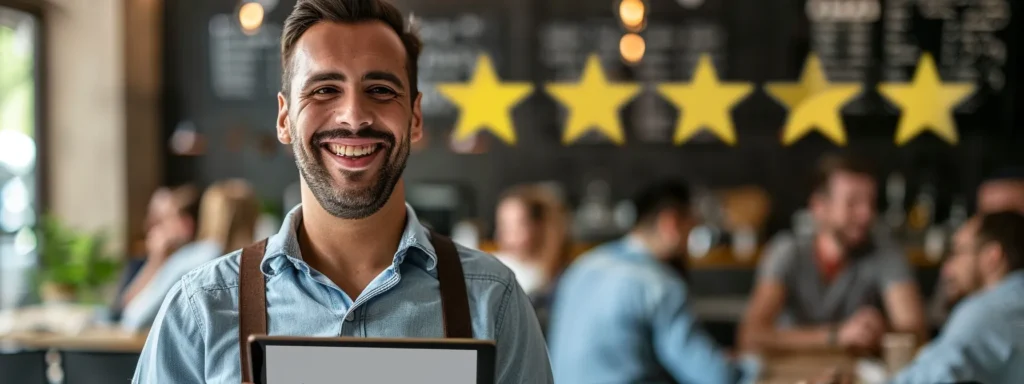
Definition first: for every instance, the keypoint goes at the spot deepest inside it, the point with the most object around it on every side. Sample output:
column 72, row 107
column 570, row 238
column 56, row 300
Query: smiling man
column 352, row 259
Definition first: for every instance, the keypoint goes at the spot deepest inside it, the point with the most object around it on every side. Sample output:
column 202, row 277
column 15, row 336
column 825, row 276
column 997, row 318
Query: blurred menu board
column 969, row 38
column 675, row 36
column 242, row 66
column 451, row 46
column 883, row 40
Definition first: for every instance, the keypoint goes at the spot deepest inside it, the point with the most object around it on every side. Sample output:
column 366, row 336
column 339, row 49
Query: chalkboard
column 223, row 82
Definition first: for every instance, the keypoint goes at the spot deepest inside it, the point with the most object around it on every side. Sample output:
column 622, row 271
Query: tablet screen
column 321, row 364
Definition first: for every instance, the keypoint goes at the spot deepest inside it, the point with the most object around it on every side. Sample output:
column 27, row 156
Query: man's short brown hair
column 831, row 164
column 308, row 13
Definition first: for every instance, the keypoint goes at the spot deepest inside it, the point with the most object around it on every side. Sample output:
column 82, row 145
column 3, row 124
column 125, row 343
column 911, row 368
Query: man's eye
column 324, row 91
column 381, row 91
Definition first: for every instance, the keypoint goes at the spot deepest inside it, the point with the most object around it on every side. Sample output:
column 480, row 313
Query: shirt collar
column 283, row 247
column 634, row 248
column 1010, row 283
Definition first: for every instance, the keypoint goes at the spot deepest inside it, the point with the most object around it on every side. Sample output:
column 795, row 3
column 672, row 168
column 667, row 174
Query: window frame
column 40, row 131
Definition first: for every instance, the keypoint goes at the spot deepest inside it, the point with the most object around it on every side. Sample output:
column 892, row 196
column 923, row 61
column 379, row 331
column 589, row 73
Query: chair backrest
column 23, row 368
column 98, row 367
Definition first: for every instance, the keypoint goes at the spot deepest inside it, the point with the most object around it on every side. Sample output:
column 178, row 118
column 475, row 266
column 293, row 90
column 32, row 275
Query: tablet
column 309, row 360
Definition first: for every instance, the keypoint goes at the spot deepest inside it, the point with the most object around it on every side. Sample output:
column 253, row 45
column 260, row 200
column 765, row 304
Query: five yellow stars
column 486, row 103
column 593, row 103
column 705, row 103
column 814, row 104
column 926, row 103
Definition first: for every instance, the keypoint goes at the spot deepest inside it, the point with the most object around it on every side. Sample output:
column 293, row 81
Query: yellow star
column 926, row 103
column 705, row 103
column 814, row 104
column 593, row 103
column 486, row 103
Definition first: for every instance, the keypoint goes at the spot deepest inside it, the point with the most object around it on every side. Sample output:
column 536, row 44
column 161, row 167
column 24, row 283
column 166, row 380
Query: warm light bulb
column 632, row 47
column 632, row 13
column 250, row 16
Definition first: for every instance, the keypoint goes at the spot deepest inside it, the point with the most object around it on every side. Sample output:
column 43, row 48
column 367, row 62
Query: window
column 19, row 36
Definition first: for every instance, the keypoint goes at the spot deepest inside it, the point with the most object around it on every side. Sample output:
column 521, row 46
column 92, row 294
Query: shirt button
column 350, row 316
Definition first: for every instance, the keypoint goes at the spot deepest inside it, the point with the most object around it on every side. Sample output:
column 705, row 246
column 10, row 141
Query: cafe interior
column 131, row 130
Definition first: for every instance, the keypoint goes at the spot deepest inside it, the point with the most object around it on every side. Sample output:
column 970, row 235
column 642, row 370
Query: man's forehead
column 364, row 46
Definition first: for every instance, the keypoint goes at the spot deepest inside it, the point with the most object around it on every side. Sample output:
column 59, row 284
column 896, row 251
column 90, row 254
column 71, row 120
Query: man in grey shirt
column 831, row 288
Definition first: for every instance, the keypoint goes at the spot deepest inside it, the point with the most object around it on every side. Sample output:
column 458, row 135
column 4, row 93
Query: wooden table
column 795, row 367
column 94, row 339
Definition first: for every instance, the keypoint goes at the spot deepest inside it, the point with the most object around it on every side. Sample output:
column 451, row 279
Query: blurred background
column 134, row 127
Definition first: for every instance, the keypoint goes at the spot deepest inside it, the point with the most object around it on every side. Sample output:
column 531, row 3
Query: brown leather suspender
column 252, row 302
column 454, row 299
column 252, row 296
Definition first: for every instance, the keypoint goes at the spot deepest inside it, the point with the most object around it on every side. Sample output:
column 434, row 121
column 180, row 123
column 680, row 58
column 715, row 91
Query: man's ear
column 416, row 126
column 284, row 134
column 667, row 223
column 990, row 257
column 817, row 203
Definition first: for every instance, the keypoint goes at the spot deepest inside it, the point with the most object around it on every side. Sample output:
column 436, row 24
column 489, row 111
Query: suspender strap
column 252, row 302
column 454, row 300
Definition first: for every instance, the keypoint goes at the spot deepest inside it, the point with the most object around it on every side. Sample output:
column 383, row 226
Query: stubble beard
column 349, row 202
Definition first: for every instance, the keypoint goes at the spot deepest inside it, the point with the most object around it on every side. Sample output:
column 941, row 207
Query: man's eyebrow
column 322, row 77
column 385, row 76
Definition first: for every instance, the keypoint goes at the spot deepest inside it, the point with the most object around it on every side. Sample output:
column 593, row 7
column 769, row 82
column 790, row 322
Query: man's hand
column 862, row 330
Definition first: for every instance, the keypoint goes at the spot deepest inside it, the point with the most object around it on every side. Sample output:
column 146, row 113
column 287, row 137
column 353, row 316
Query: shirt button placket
column 349, row 318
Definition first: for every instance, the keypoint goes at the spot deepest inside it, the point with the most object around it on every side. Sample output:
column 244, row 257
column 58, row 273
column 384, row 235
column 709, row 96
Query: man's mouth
column 353, row 157
column 352, row 151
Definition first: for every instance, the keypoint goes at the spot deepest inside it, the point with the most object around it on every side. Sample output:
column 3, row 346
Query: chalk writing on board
column 451, row 48
column 242, row 66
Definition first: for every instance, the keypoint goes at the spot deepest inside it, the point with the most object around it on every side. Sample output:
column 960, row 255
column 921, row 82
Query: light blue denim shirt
column 195, row 336
column 620, row 316
column 983, row 341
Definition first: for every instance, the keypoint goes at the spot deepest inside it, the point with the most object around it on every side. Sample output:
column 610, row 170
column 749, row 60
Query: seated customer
column 227, row 220
column 533, row 239
column 983, row 341
column 170, row 224
column 830, row 289
column 1004, row 191
column 621, row 312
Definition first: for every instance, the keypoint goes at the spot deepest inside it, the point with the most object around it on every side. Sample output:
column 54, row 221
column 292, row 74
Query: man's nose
column 353, row 112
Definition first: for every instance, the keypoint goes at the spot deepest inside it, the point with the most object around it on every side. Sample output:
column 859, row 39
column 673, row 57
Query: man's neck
column 829, row 248
column 345, row 249
column 994, row 279
column 650, row 243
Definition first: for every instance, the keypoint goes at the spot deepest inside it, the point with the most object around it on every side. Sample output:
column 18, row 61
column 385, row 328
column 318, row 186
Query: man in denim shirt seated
column 983, row 340
column 621, row 313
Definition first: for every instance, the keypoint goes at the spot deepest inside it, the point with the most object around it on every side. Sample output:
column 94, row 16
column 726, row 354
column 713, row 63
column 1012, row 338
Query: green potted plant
column 74, row 266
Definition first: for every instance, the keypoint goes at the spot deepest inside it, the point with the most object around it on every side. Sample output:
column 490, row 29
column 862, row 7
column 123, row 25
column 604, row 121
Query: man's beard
column 350, row 203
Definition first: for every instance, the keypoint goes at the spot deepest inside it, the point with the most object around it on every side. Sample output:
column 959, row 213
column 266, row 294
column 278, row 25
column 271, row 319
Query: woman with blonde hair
column 226, row 221
column 532, row 235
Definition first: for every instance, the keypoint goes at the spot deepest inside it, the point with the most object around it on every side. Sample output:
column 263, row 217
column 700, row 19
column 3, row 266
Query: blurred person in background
column 621, row 311
column 1003, row 191
column 983, row 341
column 532, row 235
column 170, row 224
column 227, row 221
column 829, row 290
column 353, row 259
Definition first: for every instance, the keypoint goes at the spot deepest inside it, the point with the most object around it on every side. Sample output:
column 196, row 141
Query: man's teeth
column 353, row 150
